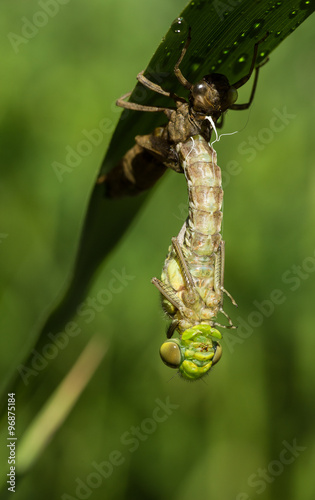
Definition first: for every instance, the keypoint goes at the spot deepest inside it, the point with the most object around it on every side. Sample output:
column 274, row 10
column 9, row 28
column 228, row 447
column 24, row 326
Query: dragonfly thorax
column 184, row 124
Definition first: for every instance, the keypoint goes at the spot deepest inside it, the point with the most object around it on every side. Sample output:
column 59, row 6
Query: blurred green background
column 225, row 438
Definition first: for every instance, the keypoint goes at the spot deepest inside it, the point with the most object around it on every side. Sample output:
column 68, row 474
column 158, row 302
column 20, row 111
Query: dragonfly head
column 195, row 353
column 212, row 95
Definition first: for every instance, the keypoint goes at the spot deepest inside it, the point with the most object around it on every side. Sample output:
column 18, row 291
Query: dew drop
column 179, row 25
column 306, row 4
column 223, row 55
column 228, row 50
column 167, row 55
column 200, row 4
column 256, row 28
column 239, row 64
column 262, row 56
column 278, row 34
column 242, row 59
column 241, row 37
column 195, row 67
column 292, row 14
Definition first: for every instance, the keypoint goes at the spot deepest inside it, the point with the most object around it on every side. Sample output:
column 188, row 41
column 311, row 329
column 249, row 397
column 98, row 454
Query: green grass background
column 66, row 80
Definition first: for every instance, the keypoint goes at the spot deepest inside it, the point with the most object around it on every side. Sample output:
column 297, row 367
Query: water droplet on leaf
column 292, row 14
column 179, row 25
column 306, row 4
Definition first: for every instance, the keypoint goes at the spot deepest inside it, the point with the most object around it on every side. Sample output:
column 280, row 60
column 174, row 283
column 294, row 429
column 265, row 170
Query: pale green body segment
column 192, row 277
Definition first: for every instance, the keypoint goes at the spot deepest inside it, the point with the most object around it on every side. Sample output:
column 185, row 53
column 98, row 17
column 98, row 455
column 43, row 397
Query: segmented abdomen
column 199, row 162
column 199, row 238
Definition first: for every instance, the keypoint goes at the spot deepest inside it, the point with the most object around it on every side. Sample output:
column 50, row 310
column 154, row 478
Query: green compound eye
column 171, row 354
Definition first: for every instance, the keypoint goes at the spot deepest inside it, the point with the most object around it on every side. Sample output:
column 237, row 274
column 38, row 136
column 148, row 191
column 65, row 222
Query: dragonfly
column 191, row 284
column 154, row 153
column 192, row 280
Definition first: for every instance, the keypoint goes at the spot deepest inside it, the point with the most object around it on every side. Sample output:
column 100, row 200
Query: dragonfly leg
column 219, row 280
column 219, row 269
column 220, row 122
column 179, row 75
column 245, row 78
column 150, row 85
column 246, row 105
column 167, row 292
column 157, row 88
column 192, row 295
column 230, row 325
column 230, row 297
column 219, row 273
column 138, row 107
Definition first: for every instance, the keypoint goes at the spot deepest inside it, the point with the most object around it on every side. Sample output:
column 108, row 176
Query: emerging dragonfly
column 191, row 284
column 192, row 278
column 152, row 154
